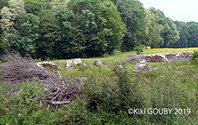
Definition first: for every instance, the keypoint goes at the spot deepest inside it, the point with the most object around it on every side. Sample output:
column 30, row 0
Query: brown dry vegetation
column 18, row 69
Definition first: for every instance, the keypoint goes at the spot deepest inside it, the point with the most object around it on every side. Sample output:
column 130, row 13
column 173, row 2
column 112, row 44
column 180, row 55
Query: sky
column 180, row 10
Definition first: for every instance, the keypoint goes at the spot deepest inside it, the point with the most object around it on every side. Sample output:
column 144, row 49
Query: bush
column 118, row 91
column 139, row 49
column 195, row 58
column 23, row 104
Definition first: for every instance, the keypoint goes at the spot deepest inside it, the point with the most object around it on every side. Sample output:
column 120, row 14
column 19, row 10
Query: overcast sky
column 181, row 10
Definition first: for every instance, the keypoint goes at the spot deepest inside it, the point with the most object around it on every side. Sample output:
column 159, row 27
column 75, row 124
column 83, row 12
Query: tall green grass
column 108, row 94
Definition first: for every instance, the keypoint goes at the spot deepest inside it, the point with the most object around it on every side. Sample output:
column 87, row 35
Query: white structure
column 77, row 61
column 70, row 64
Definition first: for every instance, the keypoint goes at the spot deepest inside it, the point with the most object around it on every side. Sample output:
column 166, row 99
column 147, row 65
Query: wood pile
column 18, row 69
column 48, row 65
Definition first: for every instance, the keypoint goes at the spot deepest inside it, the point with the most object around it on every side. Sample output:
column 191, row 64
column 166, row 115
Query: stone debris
column 70, row 64
column 154, row 58
column 77, row 61
column 142, row 67
column 81, row 64
column 47, row 65
column 171, row 56
column 147, row 58
column 98, row 63
column 133, row 59
column 184, row 55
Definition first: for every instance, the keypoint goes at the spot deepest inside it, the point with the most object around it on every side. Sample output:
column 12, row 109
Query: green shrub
column 108, row 94
column 23, row 104
column 165, row 88
column 116, row 52
column 139, row 49
column 195, row 58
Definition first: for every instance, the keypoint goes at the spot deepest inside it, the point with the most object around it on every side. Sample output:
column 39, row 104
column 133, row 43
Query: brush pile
column 17, row 69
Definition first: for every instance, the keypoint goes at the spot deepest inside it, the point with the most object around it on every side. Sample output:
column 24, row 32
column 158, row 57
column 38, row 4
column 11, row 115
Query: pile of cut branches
column 17, row 69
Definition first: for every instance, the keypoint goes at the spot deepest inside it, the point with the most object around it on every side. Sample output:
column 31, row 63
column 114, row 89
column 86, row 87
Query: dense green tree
column 193, row 34
column 184, row 34
column 25, row 33
column 133, row 15
column 19, row 28
column 48, row 35
column 92, row 28
column 153, row 31
column 188, row 34
column 33, row 6
column 169, row 32
column 3, row 3
column 9, row 15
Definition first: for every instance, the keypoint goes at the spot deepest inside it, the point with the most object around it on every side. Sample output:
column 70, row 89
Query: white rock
column 142, row 67
column 98, row 63
column 70, row 64
column 76, row 61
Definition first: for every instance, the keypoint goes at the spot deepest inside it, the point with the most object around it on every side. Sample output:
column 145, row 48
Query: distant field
column 162, row 51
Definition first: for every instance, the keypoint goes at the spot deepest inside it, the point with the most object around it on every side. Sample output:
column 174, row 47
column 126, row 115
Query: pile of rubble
column 98, row 63
column 133, row 59
column 160, row 58
column 171, row 56
column 148, row 58
column 71, row 64
column 142, row 66
column 183, row 56
column 77, row 62
column 155, row 58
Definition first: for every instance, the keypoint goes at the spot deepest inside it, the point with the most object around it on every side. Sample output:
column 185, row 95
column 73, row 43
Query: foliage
column 133, row 15
column 23, row 104
column 25, row 33
column 139, row 49
column 108, row 94
column 93, row 28
column 54, row 29
column 188, row 34
column 195, row 57
column 3, row 3
column 161, row 88
column 48, row 36
column 166, row 27
column 33, row 6
column 153, row 29
column 8, row 17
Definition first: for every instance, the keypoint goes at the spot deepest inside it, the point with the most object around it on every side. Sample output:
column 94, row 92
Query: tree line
column 87, row 28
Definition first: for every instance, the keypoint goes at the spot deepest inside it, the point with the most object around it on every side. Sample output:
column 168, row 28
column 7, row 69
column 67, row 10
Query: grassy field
column 108, row 95
column 163, row 51
column 121, row 58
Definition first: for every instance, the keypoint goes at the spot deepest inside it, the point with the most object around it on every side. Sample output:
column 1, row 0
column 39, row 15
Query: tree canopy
column 86, row 28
